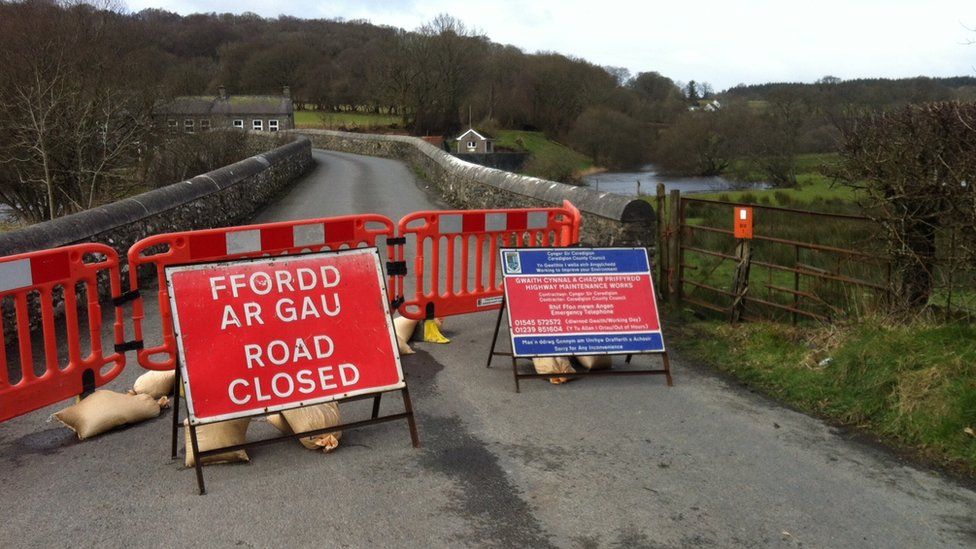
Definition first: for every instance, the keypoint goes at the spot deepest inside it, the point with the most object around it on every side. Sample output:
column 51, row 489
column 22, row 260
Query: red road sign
column 267, row 334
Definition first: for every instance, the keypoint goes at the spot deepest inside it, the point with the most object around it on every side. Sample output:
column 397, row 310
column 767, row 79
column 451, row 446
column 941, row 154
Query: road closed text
column 263, row 334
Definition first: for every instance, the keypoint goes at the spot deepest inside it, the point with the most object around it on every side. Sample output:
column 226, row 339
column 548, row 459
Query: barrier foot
column 432, row 333
column 408, row 406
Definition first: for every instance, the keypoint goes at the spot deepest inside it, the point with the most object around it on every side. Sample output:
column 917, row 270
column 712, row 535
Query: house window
column 272, row 125
column 487, row 146
column 471, row 145
column 204, row 124
column 257, row 125
column 188, row 125
column 239, row 123
column 172, row 123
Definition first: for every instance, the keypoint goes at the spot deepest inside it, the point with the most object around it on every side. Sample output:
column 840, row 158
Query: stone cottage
column 199, row 113
column 474, row 142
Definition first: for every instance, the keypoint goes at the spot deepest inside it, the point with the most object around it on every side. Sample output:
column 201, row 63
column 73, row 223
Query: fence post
column 674, row 249
column 662, row 240
column 740, row 280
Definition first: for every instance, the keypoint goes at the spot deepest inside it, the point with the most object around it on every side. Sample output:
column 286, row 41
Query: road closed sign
column 580, row 301
column 273, row 333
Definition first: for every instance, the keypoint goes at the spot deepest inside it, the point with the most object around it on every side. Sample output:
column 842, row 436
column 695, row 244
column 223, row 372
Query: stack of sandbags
column 105, row 410
column 311, row 418
column 595, row 362
column 553, row 365
column 156, row 384
column 217, row 435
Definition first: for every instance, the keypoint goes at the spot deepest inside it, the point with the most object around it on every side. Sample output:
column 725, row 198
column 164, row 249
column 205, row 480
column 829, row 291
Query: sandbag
column 595, row 362
column 156, row 384
column 553, row 365
column 311, row 418
column 217, row 435
column 105, row 410
column 404, row 328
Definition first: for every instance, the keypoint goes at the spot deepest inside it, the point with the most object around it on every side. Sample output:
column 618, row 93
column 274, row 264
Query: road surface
column 601, row 462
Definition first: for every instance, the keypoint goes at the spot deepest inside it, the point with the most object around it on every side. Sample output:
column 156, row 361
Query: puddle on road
column 46, row 442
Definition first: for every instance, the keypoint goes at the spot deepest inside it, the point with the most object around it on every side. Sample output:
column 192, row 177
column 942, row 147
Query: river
column 625, row 183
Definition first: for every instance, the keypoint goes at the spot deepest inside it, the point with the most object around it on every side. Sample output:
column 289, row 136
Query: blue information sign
column 580, row 301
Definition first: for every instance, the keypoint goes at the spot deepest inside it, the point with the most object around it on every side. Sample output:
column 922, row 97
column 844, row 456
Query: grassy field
column 537, row 144
column 347, row 120
column 813, row 187
column 549, row 160
column 912, row 385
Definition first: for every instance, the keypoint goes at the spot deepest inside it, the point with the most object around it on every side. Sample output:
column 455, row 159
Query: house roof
column 234, row 104
column 481, row 137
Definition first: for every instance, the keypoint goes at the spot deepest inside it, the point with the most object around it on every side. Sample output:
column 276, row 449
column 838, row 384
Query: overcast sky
column 723, row 43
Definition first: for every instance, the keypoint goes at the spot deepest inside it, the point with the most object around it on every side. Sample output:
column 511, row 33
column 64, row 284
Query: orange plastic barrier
column 228, row 243
column 31, row 284
column 461, row 247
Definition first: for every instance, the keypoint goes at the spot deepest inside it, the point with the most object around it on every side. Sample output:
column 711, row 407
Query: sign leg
column 515, row 375
column 176, row 412
column 414, row 437
column 197, row 462
column 376, row 405
column 494, row 338
column 667, row 367
column 628, row 359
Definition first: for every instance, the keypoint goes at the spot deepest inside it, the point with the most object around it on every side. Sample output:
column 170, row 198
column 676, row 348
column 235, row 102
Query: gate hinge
column 396, row 268
column 396, row 241
column 395, row 304
column 126, row 297
column 128, row 346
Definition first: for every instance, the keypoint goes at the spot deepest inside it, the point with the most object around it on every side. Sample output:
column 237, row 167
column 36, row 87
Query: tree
column 916, row 166
column 70, row 128
column 610, row 137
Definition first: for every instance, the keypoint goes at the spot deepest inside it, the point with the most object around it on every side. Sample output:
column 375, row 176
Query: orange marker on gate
column 742, row 225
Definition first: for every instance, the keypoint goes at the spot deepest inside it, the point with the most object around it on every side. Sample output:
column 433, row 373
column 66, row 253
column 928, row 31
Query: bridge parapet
column 608, row 219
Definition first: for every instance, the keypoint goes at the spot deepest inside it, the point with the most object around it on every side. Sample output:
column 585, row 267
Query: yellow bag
column 105, row 410
column 311, row 418
column 553, row 365
column 217, row 435
column 156, row 384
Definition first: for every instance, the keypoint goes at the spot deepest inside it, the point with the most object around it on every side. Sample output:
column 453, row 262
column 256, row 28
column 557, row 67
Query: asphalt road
column 599, row 462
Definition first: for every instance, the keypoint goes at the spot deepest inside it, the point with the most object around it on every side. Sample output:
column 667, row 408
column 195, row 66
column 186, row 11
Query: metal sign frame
column 375, row 393
column 665, row 359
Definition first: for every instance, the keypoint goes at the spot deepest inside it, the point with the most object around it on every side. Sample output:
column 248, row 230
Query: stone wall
column 226, row 196
column 508, row 161
column 608, row 219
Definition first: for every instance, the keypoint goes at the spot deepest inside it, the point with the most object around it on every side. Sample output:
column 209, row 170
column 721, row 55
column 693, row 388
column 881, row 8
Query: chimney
column 223, row 92
column 286, row 91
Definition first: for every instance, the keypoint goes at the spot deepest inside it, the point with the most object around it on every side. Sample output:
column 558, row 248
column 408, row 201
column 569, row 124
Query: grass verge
column 912, row 385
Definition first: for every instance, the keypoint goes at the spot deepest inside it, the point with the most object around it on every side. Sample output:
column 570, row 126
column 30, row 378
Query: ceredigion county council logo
column 512, row 263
